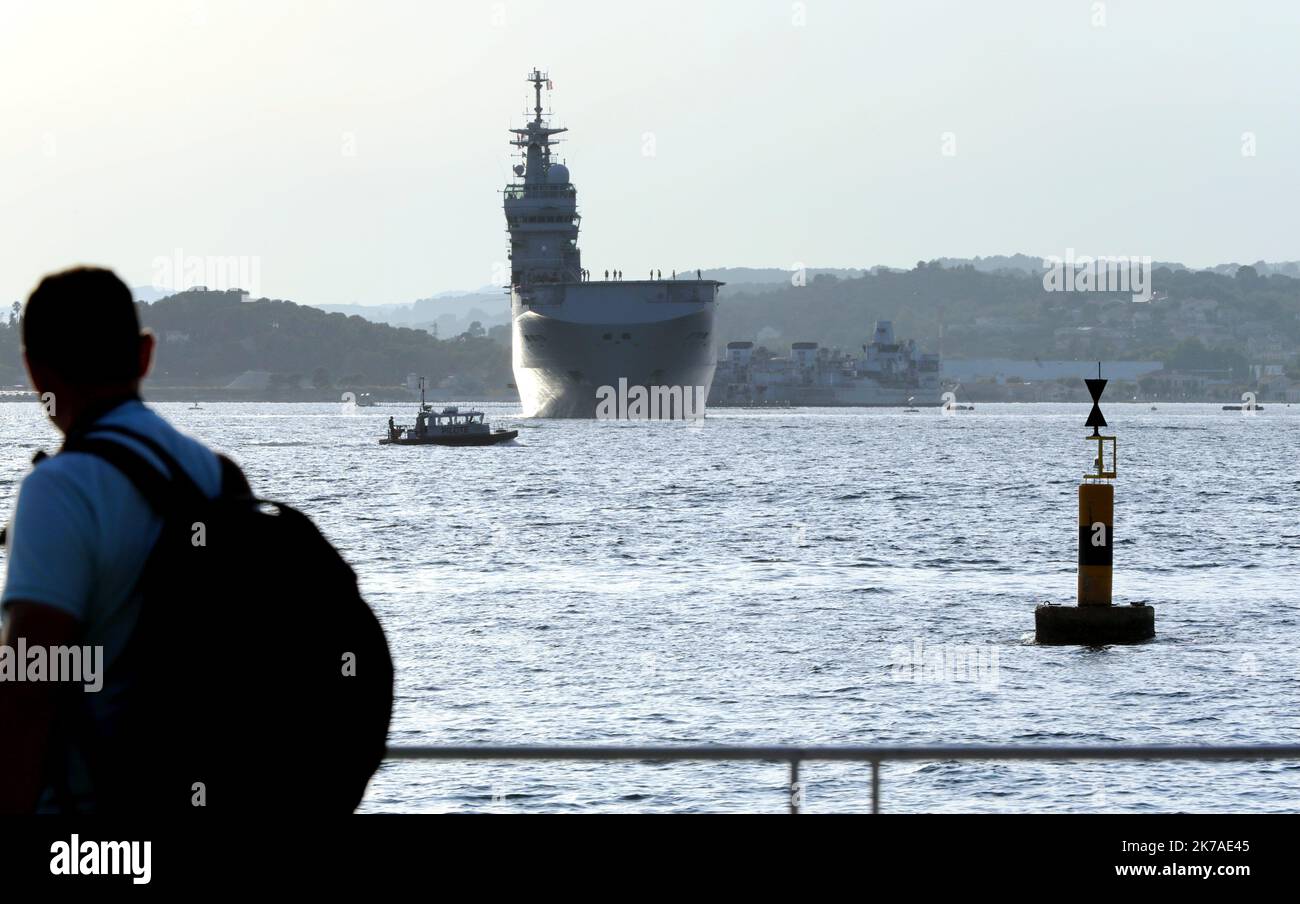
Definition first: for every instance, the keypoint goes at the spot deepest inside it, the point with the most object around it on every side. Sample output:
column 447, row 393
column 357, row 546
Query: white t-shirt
column 81, row 534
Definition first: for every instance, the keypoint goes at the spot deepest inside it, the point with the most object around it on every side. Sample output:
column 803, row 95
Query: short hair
column 82, row 323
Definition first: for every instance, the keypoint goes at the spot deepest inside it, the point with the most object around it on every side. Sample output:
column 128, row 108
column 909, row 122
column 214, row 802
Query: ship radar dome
column 558, row 174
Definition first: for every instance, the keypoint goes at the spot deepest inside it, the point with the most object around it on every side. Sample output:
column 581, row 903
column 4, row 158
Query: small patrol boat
column 448, row 427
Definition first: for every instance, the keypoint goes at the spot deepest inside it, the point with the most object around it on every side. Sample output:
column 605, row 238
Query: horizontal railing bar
column 855, row 754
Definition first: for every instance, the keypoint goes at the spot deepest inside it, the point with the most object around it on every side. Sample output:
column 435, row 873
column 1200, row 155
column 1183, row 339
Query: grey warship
column 573, row 334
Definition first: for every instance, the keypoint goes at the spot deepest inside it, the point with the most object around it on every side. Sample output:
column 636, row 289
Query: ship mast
column 541, row 207
column 537, row 78
column 536, row 138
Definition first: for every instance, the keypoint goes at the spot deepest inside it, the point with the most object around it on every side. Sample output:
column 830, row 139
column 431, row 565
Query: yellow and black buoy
column 1095, row 620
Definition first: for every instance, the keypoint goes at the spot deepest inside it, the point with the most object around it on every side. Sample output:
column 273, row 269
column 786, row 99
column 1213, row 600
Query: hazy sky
column 356, row 150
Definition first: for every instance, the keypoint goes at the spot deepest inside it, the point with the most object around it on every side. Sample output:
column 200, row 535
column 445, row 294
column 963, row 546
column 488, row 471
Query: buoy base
column 1094, row 625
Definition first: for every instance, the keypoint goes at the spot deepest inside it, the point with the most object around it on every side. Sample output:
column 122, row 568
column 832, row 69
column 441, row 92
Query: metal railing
column 794, row 756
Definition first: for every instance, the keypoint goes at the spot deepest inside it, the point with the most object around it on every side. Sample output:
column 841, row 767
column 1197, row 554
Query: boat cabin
column 451, row 421
column 454, row 415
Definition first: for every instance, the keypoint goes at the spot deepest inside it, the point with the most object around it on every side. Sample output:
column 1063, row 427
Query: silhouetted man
column 80, row 532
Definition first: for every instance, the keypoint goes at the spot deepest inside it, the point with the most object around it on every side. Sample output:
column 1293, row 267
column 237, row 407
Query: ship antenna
column 537, row 78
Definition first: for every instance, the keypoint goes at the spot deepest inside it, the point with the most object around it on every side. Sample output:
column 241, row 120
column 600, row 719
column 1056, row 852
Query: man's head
column 82, row 340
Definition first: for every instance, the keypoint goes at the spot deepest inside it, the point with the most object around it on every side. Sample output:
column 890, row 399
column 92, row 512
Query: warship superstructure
column 573, row 332
column 888, row 372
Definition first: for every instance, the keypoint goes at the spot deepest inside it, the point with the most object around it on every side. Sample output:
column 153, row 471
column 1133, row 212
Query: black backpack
column 259, row 679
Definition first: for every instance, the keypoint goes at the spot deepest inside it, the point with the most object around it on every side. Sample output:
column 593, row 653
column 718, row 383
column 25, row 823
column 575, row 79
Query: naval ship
column 575, row 335
column 889, row 372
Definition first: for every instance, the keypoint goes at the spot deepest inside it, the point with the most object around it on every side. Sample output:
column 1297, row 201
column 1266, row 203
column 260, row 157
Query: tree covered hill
column 1198, row 317
column 207, row 339
column 1198, row 320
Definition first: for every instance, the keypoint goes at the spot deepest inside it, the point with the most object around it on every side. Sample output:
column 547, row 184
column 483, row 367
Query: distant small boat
column 950, row 400
column 449, row 427
column 1243, row 407
column 909, row 409
column 195, row 407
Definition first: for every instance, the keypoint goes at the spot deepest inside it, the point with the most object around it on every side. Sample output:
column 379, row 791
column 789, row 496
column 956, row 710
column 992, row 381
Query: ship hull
column 863, row 396
column 567, row 353
column 463, row 439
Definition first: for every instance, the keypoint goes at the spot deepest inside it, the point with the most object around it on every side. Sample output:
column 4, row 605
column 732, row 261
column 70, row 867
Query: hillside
column 1235, row 325
column 208, row 339
column 444, row 315
column 1197, row 319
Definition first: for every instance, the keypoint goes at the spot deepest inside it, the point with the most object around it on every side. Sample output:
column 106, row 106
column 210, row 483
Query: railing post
column 795, row 791
column 875, row 786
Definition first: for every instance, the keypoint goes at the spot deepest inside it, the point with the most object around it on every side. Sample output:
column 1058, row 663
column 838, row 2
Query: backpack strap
column 75, row 732
column 233, row 482
column 162, row 492
column 156, row 488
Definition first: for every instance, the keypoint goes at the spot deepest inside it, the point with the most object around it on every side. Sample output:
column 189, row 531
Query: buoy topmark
column 1095, row 620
